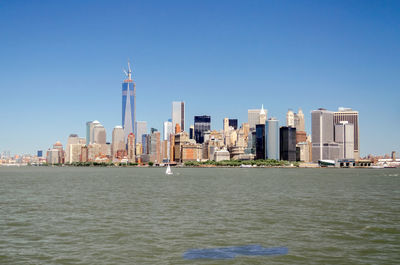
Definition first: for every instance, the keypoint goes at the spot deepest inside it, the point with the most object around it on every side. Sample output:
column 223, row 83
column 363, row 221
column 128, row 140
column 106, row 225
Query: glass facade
column 201, row 125
column 233, row 123
column 128, row 107
column 260, row 141
column 288, row 143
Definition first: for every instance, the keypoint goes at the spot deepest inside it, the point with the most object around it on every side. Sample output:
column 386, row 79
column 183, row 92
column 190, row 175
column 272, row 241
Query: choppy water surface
column 141, row 216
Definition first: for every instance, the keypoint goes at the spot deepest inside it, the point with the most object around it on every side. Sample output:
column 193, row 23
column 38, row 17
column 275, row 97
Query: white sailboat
column 168, row 171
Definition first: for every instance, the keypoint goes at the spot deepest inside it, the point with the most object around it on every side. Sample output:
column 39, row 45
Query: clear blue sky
column 61, row 64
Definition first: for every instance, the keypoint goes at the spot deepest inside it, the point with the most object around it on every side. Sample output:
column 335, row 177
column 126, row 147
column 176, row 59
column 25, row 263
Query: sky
column 61, row 64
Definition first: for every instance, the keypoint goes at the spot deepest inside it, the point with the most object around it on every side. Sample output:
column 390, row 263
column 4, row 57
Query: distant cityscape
column 334, row 140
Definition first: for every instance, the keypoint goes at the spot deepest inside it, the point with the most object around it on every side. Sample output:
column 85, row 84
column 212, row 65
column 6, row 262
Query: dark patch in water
column 232, row 252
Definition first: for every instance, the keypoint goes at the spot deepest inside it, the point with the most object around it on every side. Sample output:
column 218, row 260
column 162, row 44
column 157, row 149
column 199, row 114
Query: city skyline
column 58, row 104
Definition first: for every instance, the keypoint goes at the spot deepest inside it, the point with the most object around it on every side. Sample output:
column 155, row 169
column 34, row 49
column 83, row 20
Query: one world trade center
column 128, row 104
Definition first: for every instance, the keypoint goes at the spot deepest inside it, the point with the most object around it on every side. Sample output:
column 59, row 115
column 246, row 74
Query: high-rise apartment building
column 344, row 136
column 128, row 104
column 287, row 143
column 201, row 125
column 323, row 145
column 351, row 116
column 178, row 115
column 272, row 139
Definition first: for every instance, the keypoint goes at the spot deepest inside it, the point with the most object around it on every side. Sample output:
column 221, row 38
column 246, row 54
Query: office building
column 272, row 139
column 131, row 148
column 226, row 126
column 73, row 154
column 290, row 118
column 99, row 134
column 201, row 125
column 155, row 147
column 191, row 152
column 287, row 145
column 323, row 145
column 167, row 129
column 260, row 141
column 118, row 145
column 89, row 131
column 344, row 136
column 233, row 123
column 253, row 116
column 256, row 116
column 128, row 104
column 178, row 115
column 351, row 116
column 191, row 132
column 40, row 153
column 299, row 121
column 53, row 156
column 141, row 129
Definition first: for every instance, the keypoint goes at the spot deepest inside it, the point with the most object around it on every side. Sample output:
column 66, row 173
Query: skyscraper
column 141, row 129
column 233, row 123
column 351, row 116
column 260, row 141
column 131, row 148
column 99, row 134
column 323, row 145
column 287, row 143
column 344, row 136
column 201, row 125
column 256, row 116
column 262, row 116
column 118, row 141
column 73, row 139
column 178, row 115
column 128, row 104
column 272, row 142
column 89, row 131
column 167, row 129
column 290, row 118
column 300, row 126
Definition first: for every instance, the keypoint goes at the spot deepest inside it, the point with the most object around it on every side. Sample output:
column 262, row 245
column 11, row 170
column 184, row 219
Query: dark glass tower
column 260, row 141
column 128, row 104
column 201, row 125
column 233, row 123
column 287, row 143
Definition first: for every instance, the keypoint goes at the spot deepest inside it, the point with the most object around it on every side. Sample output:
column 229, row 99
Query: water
column 141, row 216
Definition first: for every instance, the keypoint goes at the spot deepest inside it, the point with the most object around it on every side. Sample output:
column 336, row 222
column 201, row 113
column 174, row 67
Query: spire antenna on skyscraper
column 129, row 72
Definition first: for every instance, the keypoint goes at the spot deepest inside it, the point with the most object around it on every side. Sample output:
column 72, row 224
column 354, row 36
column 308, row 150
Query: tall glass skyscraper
column 201, row 125
column 260, row 141
column 128, row 104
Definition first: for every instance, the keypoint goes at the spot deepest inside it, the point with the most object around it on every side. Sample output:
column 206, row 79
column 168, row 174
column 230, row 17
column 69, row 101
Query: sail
column 168, row 171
